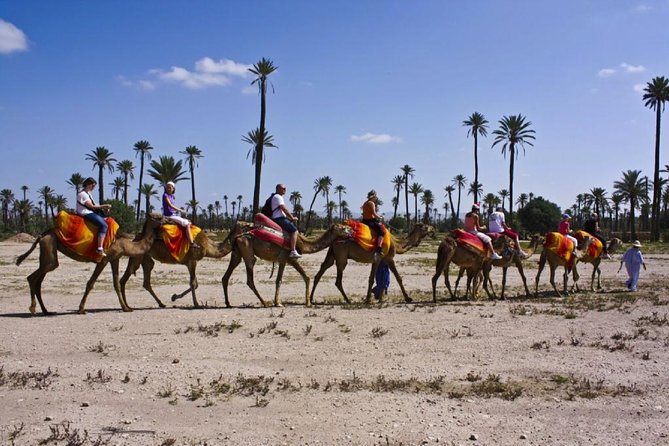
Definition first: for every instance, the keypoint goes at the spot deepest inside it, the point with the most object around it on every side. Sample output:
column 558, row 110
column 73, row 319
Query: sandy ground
column 587, row 369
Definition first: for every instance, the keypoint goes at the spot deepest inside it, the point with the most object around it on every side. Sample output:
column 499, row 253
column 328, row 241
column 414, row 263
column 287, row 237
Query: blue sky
column 363, row 88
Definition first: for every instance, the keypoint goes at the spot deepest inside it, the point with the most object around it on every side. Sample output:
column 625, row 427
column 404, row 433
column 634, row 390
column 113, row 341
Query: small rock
column 127, row 421
column 175, row 361
column 523, row 437
column 85, row 404
column 48, row 418
column 473, row 437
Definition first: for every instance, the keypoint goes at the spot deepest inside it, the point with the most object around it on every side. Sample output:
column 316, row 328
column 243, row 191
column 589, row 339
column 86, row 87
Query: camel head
column 614, row 244
column 423, row 230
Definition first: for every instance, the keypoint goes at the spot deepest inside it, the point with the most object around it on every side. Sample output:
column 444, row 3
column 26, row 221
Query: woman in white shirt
column 86, row 207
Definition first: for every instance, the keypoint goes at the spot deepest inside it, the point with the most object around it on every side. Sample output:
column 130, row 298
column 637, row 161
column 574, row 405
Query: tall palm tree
column 192, row 155
column 46, row 194
column 261, row 70
column 59, row 202
column 7, row 198
column 143, row 149
column 459, row 181
column 259, row 139
column 398, row 183
column 656, row 94
column 23, row 207
column 117, row 186
column 503, row 193
column 513, row 131
column 632, row 190
column 327, row 184
column 225, row 201
column 320, row 184
column 407, row 171
column 475, row 189
column 340, row 190
column 127, row 169
column 414, row 190
column 599, row 199
column 149, row 192
column 478, row 125
column 616, row 200
column 239, row 205
column 233, row 203
column 24, row 189
column 449, row 193
column 76, row 181
column 167, row 169
column 490, row 202
column 521, row 201
column 102, row 159
column 428, row 200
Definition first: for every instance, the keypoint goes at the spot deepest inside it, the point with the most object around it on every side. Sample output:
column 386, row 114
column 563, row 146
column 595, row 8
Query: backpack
column 267, row 207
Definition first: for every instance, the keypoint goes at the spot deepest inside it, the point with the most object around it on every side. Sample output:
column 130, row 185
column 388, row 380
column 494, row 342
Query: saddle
column 560, row 245
column 595, row 249
column 363, row 236
column 176, row 240
column 264, row 228
column 470, row 242
column 80, row 235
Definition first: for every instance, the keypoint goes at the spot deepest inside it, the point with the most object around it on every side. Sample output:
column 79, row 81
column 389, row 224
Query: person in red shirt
column 565, row 229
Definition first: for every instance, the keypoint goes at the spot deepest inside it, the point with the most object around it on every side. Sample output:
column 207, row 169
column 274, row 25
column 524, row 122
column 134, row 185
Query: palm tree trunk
column 192, row 189
column 406, row 198
column 125, row 188
column 141, row 175
column 306, row 226
column 655, row 222
column 259, row 150
column 476, row 166
column 512, row 153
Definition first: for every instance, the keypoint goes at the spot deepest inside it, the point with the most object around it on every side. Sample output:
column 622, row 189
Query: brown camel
column 509, row 257
column 554, row 260
column 160, row 252
column 247, row 247
column 613, row 245
column 472, row 261
column 342, row 250
column 123, row 245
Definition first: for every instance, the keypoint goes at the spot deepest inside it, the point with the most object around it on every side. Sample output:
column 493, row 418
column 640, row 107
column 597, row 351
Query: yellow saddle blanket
column 595, row 249
column 176, row 240
column 561, row 246
column 80, row 235
column 362, row 235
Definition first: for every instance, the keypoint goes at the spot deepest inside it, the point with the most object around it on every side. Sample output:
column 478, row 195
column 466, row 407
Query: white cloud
column 632, row 68
column 639, row 87
column 11, row 38
column 372, row 138
column 642, row 8
column 606, row 72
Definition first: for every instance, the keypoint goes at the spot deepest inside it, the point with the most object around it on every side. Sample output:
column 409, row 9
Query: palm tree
column 261, row 70
column 477, row 124
column 217, row 207
column 459, row 181
column 327, row 183
column 233, row 203
column 408, row 171
column 503, row 193
column 616, row 199
column 225, row 201
column 428, row 200
column 330, row 206
column 398, row 183
column 59, row 202
column 102, row 159
column 475, row 189
column 340, row 190
column 599, row 199
column 414, row 190
column 192, row 155
column 167, row 169
column 513, row 131
column 521, row 201
column 23, row 207
column 148, row 191
column 117, row 186
column 126, row 168
column 320, row 184
column 7, row 197
column 632, row 190
column 449, row 193
column 239, row 205
column 656, row 94
column 490, row 201
column 46, row 193
column 345, row 211
column 143, row 149
column 24, row 188
column 76, row 181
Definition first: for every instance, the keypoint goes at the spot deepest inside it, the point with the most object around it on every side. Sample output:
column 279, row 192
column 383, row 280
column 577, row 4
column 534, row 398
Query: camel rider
column 372, row 219
column 472, row 226
column 591, row 226
column 282, row 216
column 87, row 208
column 497, row 225
column 173, row 213
column 565, row 229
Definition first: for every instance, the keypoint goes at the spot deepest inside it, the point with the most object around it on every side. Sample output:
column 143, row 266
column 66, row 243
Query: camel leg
column 370, row 284
column 305, row 277
column 341, row 266
column 147, row 267
column 235, row 259
column 48, row 261
column 249, row 261
column 391, row 264
column 327, row 263
column 488, row 281
column 91, row 282
column 117, row 286
column 277, row 286
column 576, row 277
column 542, row 264
column 461, row 272
column 442, row 267
column 595, row 270
column 519, row 266
column 192, row 266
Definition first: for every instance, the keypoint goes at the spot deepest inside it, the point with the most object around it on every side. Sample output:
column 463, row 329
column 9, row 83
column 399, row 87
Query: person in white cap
column 173, row 213
column 633, row 260
column 472, row 226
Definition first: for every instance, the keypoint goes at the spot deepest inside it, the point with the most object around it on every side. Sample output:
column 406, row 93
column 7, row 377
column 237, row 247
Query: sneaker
column 294, row 254
column 495, row 256
column 522, row 254
column 101, row 252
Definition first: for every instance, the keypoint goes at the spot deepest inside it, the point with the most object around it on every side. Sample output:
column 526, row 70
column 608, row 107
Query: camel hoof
column 81, row 311
column 162, row 305
column 278, row 304
column 408, row 300
column 175, row 297
column 266, row 305
column 127, row 310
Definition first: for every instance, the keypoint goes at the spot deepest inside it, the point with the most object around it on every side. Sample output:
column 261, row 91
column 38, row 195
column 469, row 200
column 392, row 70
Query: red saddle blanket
column 469, row 241
column 176, row 240
column 80, row 235
column 595, row 249
column 560, row 245
column 267, row 230
column 362, row 235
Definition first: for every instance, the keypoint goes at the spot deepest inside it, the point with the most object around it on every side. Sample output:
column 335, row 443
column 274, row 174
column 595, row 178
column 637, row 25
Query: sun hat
column 170, row 183
column 636, row 244
column 566, row 216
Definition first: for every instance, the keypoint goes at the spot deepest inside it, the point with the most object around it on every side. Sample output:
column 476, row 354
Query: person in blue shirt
column 633, row 260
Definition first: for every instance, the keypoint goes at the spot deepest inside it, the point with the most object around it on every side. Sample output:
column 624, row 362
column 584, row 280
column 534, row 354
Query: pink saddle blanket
column 267, row 230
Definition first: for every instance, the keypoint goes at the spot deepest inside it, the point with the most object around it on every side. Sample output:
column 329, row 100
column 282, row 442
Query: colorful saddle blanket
column 362, row 235
column 80, row 235
column 267, row 230
column 595, row 249
column 560, row 245
column 176, row 240
column 469, row 241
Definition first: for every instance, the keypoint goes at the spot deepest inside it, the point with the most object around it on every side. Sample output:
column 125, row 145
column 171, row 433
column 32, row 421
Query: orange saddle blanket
column 362, row 235
column 560, row 245
column 80, row 235
column 595, row 249
column 176, row 240
column 267, row 230
column 469, row 241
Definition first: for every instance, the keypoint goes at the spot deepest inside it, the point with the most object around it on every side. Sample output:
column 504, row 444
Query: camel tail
column 271, row 273
column 22, row 257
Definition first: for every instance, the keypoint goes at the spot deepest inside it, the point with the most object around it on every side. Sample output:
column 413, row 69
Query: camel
column 613, row 245
column 342, row 250
column 160, row 253
column 554, row 260
column 509, row 257
column 247, row 247
column 123, row 245
column 472, row 261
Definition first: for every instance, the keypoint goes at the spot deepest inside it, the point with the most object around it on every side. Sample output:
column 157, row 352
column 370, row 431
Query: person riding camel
column 497, row 225
column 591, row 226
column 372, row 219
column 472, row 226
column 564, row 228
